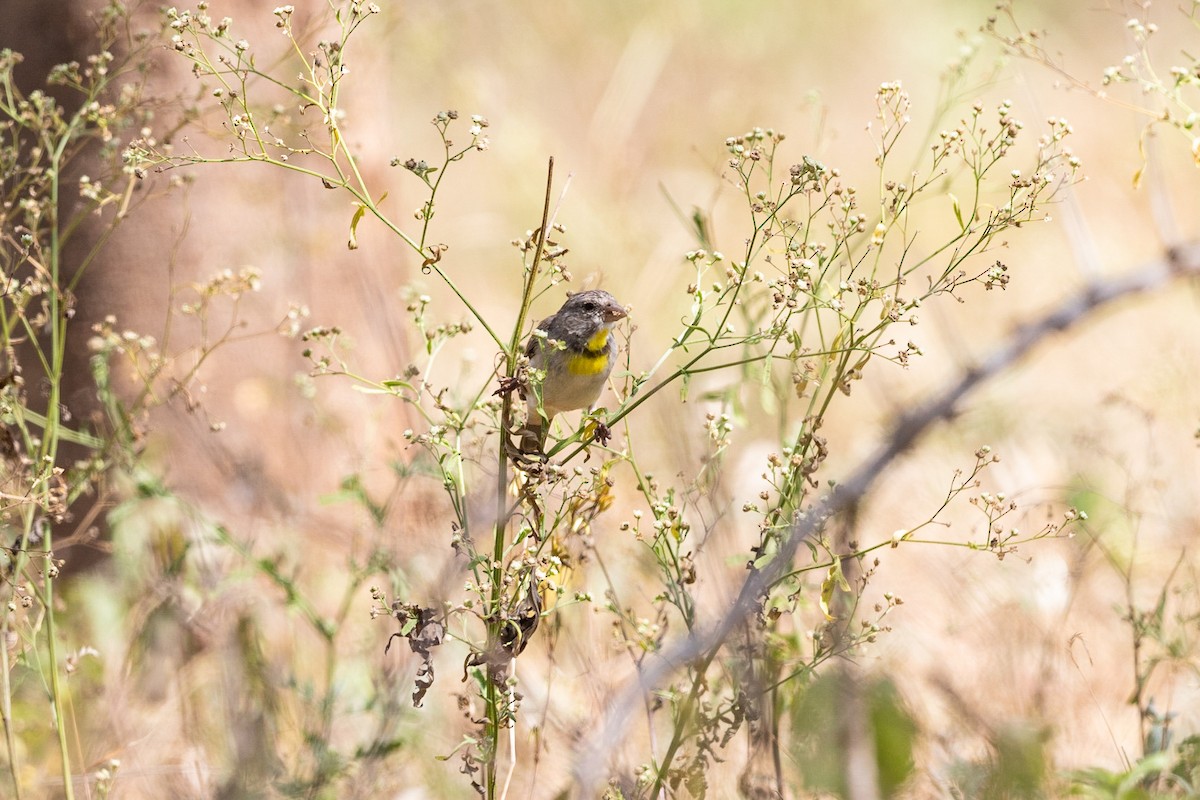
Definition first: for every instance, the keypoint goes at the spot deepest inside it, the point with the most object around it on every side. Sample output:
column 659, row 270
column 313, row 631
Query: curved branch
column 594, row 751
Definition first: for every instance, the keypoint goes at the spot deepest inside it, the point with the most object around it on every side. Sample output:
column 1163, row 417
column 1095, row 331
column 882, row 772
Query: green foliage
column 824, row 278
column 42, row 213
column 830, row 712
column 826, row 284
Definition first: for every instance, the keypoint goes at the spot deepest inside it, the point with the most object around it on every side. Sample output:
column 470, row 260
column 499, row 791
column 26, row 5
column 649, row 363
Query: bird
column 577, row 355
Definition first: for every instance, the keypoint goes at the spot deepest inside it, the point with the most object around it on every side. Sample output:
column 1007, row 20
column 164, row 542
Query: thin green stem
column 10, row 741
column 493, row 695
column 49, row 453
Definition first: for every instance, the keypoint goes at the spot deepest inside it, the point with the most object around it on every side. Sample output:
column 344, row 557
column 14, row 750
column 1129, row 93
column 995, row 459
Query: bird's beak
column 614, row 312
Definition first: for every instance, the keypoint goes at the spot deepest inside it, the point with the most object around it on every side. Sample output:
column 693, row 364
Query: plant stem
column 49, row 451
column 6, row 708
column 492, row 694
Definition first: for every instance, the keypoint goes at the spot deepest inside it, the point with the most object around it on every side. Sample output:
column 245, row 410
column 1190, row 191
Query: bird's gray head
column 596, row 305
column 584, row 322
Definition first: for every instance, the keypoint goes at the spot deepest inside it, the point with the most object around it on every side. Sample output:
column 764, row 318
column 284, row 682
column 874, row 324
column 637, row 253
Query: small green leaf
column 957, row 210
column 358, row 215
column 834, row 579
column 895, row 737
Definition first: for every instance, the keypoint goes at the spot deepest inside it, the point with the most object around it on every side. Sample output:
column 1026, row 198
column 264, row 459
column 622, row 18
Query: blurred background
column 634, row 102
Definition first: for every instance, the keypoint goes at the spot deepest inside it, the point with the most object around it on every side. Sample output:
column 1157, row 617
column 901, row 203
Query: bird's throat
column 594, row 358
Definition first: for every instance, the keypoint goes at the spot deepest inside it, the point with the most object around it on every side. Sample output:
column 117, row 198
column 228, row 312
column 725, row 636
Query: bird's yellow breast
column 594, row 359
column 584, row 364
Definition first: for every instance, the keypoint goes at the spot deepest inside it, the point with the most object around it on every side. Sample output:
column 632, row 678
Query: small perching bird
column 576, row 353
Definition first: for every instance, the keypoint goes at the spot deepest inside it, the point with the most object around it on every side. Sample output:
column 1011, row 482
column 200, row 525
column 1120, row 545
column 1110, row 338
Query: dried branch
column 595, row 751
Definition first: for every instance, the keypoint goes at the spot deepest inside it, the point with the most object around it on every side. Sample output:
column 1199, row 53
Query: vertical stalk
column 49, row 455
column 492, row 695
column 6, row 702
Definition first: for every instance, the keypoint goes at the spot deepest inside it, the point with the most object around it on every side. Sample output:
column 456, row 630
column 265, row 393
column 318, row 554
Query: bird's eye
column 589, row 306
